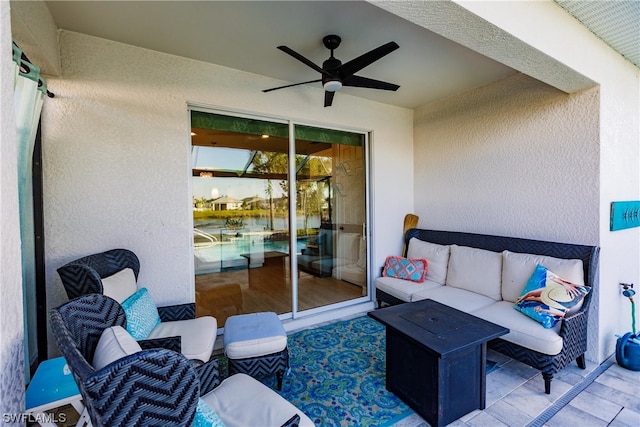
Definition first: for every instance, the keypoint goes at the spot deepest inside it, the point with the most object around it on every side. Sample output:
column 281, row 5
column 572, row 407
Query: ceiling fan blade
column 357, row 81
column 304, row 60
column 291, row 85
column 350, row 68
column 328, row 98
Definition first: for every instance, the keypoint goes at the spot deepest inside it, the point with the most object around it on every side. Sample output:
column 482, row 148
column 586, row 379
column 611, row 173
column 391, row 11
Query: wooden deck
column 228, row 293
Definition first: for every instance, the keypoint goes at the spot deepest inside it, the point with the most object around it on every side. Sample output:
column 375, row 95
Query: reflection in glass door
column 330, row 188
column 241, row 200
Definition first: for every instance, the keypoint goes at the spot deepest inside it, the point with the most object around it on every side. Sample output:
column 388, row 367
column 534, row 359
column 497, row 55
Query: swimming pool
column 224, row 248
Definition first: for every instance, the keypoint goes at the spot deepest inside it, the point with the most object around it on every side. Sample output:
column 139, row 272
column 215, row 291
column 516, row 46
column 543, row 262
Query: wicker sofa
column 483, row 275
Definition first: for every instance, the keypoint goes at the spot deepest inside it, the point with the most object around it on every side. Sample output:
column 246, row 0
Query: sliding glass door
column 330, row 184
column 245, row 248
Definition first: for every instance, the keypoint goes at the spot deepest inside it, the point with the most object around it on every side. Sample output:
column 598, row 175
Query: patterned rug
column 337, row 375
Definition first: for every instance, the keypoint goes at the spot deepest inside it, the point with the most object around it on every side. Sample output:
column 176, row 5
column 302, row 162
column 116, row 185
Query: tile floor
column 600, row 395
column 605, row 395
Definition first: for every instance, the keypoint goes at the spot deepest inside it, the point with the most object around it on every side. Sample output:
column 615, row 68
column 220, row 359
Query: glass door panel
column 330, row 188
column 240, row 215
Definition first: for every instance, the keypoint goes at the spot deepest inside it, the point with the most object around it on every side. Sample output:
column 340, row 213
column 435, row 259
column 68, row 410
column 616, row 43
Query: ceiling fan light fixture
column 332, row 85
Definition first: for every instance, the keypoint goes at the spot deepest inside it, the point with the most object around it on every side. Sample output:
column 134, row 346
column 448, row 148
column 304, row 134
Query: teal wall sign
column 625, row 215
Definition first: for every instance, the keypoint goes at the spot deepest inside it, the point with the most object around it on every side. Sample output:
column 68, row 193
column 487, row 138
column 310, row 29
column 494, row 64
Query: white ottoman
column 256, row 344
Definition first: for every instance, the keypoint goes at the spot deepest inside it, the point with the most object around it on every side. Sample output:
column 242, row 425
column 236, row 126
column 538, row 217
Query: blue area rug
column 337, row 375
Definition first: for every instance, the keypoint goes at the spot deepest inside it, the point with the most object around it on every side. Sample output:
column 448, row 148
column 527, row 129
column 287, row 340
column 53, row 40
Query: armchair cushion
column 197, row 335
column 114, row 344
column 120, row 285
column 142, row 314
column 257, row 402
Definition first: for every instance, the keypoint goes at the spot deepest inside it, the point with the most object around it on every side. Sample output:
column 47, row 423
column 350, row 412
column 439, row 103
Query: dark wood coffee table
column 436, row 358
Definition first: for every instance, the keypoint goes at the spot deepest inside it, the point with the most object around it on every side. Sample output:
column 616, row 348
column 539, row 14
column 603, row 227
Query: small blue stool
column 256, row 344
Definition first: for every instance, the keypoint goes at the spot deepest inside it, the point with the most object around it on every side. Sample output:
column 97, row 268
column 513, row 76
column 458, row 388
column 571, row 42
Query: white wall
column 513, row 158
column 566, row 40
column 116, row 155
column 516, row 157
column 504, row 30
column 11, row 336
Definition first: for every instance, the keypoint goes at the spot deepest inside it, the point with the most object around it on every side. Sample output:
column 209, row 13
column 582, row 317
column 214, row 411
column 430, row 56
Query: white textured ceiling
column 617, row 23
column 244, row 35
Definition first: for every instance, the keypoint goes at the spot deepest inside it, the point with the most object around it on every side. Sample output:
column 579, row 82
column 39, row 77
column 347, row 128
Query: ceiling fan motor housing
column 331, row 83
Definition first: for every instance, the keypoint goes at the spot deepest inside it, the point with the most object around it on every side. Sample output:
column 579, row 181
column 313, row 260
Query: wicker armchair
column 126, row 392
column 194, row 337
column 155, row 387
column 84, row 276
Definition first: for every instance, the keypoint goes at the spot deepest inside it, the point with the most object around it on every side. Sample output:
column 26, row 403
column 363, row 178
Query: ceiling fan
column 335, row 74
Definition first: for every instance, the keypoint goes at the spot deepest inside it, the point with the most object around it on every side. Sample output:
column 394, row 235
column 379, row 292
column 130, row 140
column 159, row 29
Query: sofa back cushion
column 475, row 270
column 437, row 257
column 517, row 268
column 348, row 247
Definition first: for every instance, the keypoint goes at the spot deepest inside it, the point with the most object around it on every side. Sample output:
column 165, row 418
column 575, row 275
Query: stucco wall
column 116, row 155
column 11, row 336
column 514, row 158
column 569, row 42
column 504, row 31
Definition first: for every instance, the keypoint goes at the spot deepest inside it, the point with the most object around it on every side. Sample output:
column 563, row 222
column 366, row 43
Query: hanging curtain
column 29, row 93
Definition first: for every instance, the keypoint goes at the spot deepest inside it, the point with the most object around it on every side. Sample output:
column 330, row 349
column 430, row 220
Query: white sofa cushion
column 114, row 344
column 242, row 401
column 437, row 257
column 524, row 331
column 403, row 289
column 197, row 335
column 351, row 273
column 348, row 247
column 120, row 285
column 475, row 270
column 517, row 268
column 457, row 298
